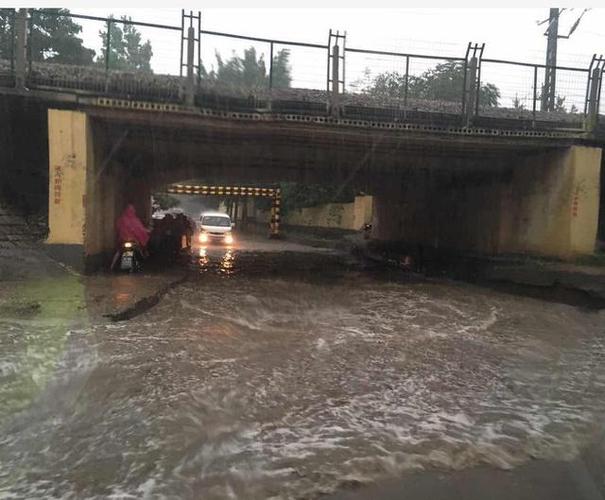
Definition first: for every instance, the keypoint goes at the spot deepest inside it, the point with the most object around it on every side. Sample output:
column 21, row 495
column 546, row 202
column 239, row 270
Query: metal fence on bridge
column 240, row 72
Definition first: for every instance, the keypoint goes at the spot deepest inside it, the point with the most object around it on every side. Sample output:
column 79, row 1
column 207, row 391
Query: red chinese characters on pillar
column 58, row 183
column 574, row 206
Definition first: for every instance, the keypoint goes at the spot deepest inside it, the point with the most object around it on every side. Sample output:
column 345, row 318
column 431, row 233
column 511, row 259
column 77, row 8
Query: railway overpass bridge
column 455, row 177
column 477, row 190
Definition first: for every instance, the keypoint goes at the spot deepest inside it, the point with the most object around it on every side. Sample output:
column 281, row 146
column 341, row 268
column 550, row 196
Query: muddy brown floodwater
column 291, row 375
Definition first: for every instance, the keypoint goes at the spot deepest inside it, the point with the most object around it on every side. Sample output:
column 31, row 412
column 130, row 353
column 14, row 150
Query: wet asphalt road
column 291, row 375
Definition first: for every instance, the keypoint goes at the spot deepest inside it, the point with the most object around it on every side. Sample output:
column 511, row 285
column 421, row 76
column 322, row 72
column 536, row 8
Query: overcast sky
column 508, row 34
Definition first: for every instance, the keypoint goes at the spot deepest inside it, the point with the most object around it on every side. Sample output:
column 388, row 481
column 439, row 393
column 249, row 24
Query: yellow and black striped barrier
column 203, row 190
column 221, row 190
column 275, row 209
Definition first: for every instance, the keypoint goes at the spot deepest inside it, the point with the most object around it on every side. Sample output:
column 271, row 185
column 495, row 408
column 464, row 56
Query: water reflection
column 222, row 260
column 227, row 263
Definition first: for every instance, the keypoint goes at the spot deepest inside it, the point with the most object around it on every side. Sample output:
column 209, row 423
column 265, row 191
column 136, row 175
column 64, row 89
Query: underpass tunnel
column 247, row 206
column 463, row 194
column 97, row 169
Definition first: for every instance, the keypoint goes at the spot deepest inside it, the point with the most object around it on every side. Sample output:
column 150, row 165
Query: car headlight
column 228, row 239
column 203, row 238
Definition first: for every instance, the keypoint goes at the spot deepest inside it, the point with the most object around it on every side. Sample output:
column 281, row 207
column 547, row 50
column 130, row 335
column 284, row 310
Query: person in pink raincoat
column 130, row 228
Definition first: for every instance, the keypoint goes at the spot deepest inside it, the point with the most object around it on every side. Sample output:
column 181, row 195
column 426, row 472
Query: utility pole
column 552, row 32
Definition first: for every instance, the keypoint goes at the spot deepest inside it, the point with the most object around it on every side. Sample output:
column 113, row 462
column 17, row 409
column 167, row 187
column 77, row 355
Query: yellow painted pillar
column 70, row 158
column 551, row 207
column 585, row 164
column 363, row 211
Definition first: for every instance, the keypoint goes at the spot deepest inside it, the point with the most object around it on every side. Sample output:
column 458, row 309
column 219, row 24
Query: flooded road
column 289, row 375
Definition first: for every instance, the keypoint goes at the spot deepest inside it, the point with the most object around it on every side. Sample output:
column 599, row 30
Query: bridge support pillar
column 544, row 203
column 551, row 205
column 70, row 158
column 87, row 191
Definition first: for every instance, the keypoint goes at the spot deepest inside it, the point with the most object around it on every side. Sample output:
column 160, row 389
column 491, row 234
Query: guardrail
column 188, row 66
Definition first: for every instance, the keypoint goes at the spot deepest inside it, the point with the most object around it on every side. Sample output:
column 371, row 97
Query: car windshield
column 216, row 220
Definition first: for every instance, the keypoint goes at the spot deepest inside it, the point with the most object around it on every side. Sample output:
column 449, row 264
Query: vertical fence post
column 12, row 40
column 182, row 41
column 471, row 82
column 335, row 68
column 344, row 62
column 598, row 104
column 199, row 49
column 593, row 99
column 406, row 84
column 29, row 39
column 107, row 54
column 477, row 88
column 334, row 91
column 328, row 63
column 107, row 46
column 271, row 66
column 588, row 81
column 190, row 84
column 464, row 80
column 477, row 85
column 21, row 48
column 535, row 96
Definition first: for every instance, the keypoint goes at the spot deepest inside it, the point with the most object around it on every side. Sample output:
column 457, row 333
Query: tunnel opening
column 209, row 219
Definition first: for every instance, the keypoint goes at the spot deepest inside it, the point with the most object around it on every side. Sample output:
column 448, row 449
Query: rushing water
column 289, row 375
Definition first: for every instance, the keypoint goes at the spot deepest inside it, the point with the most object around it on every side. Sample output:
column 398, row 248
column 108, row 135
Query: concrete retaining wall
column 350, row 216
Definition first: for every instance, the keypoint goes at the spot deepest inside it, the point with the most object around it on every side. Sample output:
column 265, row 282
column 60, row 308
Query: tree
column 126, row 50
column 297, row 195
column 560, row 106
column 165, row 201
column 444, row 82
column 53, row 37
column 6, row 34
column 250, row 71
column 281, row 70
column 517, row 104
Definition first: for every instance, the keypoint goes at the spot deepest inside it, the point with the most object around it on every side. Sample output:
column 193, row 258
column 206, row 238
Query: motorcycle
column 367, row 231
column 130, row 257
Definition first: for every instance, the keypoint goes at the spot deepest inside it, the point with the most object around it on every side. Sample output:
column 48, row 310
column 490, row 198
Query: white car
column 215, row 227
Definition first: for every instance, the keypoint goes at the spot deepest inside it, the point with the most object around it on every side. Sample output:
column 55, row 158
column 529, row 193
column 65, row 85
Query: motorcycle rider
column 130, row 228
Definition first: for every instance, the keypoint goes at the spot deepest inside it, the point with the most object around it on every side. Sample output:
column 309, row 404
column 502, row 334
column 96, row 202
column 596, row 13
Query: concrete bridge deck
column 63, row 84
